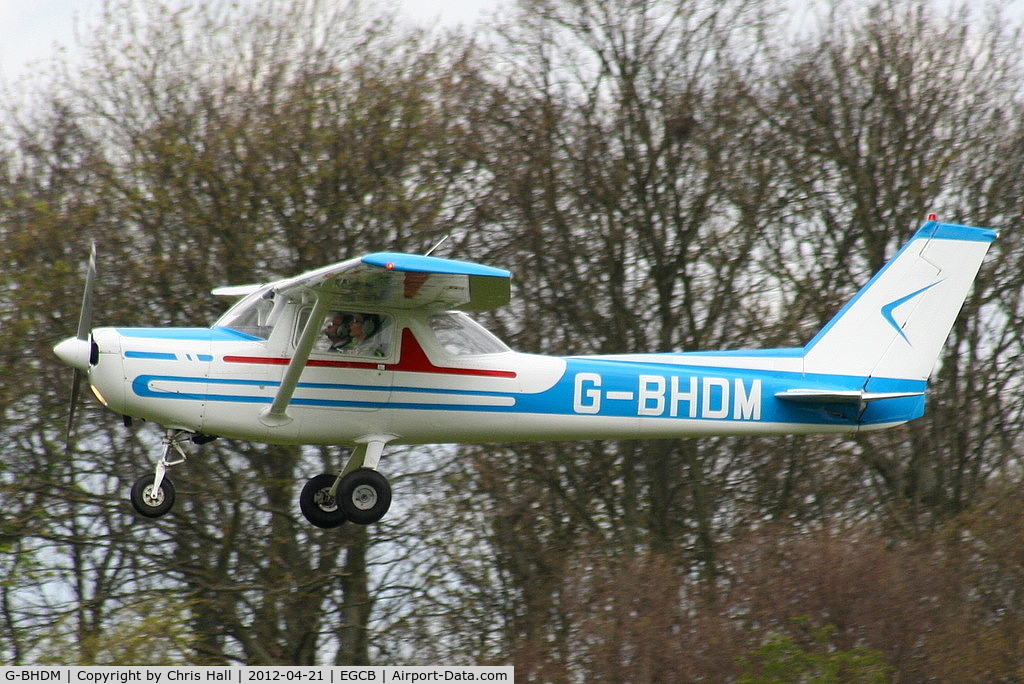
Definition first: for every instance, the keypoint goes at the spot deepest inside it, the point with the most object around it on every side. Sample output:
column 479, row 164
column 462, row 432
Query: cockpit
column 355, row 331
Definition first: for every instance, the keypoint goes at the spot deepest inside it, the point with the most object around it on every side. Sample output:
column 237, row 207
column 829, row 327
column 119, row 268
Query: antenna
column 439, row 243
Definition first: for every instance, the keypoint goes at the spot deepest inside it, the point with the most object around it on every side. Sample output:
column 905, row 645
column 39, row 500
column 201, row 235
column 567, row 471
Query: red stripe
column 278, row 361
column 413, row 360
column 256, row 359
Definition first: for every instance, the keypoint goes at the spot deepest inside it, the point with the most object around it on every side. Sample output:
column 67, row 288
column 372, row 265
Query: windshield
column 255, row 315
column 460, row 335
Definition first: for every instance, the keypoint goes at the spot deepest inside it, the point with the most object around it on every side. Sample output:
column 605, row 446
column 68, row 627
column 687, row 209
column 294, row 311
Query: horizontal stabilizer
column 816, row 396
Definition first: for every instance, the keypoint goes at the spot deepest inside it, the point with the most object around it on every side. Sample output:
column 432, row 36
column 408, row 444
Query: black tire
column 318, row 506
column 148, row 503
column 364, row 496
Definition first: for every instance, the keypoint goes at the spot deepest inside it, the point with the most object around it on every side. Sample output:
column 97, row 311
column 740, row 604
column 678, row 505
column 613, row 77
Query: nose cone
column 75, row 353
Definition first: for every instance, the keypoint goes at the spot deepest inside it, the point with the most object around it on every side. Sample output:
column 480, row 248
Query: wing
column 383, row 279
column 235, row 290
column 389, row 279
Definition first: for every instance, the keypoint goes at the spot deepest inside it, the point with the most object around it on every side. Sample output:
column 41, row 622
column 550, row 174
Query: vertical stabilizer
column 896, row 325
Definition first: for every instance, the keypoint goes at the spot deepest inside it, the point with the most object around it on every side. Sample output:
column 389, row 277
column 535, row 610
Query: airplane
column 379, row 350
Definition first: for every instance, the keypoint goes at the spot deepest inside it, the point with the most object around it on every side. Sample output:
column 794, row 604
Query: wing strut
column 277, row 414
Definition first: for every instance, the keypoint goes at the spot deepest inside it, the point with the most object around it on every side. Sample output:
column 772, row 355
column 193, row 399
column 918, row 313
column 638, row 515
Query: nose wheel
column 153, row 495
column 149, row 500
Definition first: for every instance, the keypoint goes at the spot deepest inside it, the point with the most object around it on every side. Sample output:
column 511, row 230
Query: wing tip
column 418, row 263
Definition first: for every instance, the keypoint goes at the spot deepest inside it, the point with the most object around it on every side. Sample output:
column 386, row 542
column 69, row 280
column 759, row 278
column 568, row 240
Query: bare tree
column 215, row 145
column 660, row 176
column 885, row 116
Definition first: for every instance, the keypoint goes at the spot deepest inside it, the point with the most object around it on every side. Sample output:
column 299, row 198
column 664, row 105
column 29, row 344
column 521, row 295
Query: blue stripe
column 953, row 231
column 617, row 379
column 214, row 334
column 140, row 385
column 156, row 356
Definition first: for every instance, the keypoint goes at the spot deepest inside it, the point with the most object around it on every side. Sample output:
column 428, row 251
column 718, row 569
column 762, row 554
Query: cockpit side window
column 460, row 335
column 354, row 333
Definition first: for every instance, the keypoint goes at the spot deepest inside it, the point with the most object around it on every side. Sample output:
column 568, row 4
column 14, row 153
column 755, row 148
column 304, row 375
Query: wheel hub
column 324, row 501
column 153, row 498
column 364, row 497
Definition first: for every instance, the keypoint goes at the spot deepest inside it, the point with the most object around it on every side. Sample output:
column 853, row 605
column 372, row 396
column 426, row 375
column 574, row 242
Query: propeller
column 77, row 351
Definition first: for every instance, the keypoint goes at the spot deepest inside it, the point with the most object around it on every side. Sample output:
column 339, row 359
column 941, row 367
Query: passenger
column 337, row 331
column 363, row 340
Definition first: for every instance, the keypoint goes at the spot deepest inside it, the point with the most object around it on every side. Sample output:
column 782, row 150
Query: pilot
column 337, row 331
column 362, row 329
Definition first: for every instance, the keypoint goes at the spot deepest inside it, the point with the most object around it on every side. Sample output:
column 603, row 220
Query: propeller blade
column 85, row 319
column 76, row 384
column 84, row 335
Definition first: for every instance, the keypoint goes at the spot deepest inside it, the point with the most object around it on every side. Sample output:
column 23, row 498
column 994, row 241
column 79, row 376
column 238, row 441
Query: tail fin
column 896, row 325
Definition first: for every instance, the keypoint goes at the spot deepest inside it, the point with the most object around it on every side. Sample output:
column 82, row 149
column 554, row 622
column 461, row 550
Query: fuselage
column 427, row 387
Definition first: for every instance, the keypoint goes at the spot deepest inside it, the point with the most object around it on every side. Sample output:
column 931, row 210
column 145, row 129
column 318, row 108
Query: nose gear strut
column 153, row 495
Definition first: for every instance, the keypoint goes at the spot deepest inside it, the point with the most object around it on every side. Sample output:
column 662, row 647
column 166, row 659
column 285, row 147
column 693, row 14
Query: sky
column 30, row 29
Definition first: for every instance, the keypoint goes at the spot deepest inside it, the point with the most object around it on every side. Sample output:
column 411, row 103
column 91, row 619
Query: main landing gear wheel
column 317, row 504
column 149, row 502
column 364, row 496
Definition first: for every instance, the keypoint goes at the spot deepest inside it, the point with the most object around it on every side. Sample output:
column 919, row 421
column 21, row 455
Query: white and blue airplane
column 377, row 351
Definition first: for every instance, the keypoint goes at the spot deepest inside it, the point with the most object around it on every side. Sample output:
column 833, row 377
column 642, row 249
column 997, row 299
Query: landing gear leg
column 153, row 495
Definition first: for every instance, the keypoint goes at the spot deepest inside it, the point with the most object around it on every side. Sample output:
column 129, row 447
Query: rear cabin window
column 460, row 335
